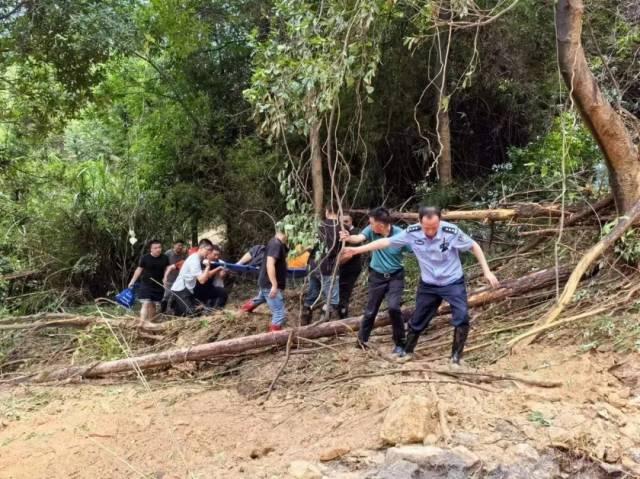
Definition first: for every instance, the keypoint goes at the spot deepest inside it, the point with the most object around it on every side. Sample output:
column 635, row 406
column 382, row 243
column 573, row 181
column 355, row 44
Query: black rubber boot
column 163, row 306
column 306, row 316
column 459, row 339
column 411, row 342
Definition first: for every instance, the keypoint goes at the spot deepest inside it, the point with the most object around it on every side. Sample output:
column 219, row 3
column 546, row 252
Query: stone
column 408, row 420
column 632, row 431
column 491, row 455
column 464, row 457
column 432, row 457
column 259, row 452
column 304, row 470
column 345, row 475
column 333, row 454
column 466, row 439
column 430, row 440
column 611, row 455
column 559, row 434
column 523, row 452
column 511, row 467
column 634, row 454
column 631, row 465
column 399, row 470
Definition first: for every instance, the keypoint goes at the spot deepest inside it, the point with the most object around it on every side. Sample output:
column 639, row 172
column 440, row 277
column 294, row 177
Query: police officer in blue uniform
column 437, row 246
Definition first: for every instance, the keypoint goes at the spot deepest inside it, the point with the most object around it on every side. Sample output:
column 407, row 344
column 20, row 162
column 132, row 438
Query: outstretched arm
column 245, row 258
column 489, row 276
column 352, row 239
column 373, row 246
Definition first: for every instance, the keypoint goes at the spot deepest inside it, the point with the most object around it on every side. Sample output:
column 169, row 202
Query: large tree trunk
column 522, row 210
column 443, row 42
column 444, row 139
column 316, row 169
column 606, row 125
column 515, row 287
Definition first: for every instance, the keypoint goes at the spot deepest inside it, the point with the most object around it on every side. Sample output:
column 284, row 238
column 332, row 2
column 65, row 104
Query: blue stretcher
column 293, row 273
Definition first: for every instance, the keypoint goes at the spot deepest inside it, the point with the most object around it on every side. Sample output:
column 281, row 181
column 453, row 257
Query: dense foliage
column 123, row 120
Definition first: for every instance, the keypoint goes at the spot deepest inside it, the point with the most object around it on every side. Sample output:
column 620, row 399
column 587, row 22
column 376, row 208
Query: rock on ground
column 304, row 470
column 409, row 420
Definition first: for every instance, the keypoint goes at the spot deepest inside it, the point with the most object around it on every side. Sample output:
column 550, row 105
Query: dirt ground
column 212, row 428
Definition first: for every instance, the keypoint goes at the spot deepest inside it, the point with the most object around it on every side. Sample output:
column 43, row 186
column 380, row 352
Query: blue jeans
column 321, row 285
column 258, row 299
column 276, row 305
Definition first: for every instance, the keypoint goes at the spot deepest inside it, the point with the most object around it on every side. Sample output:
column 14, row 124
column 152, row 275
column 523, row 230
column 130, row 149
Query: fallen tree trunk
column 590, row 210
column 572, row 284
column 83, row 322
column 74, row 322
column 517, row 211
column 555, row 231
column 532, row 281
column 36, row 317
column 521, row 210
column 20, row 275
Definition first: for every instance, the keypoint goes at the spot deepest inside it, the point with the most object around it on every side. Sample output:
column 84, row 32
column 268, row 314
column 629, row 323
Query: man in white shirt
column 190, row 274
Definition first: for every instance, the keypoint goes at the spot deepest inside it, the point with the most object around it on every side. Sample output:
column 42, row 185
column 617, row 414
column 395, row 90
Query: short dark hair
column 216, row 247
column 154, row 241
column 429, row 211
column 381, row 214
column 178, row 241
column 205, row 243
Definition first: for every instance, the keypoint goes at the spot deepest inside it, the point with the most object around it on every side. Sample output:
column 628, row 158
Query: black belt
column 386, row 275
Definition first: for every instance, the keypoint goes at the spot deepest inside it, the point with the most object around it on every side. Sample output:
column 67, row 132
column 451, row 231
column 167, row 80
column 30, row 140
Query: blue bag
column 126, row 298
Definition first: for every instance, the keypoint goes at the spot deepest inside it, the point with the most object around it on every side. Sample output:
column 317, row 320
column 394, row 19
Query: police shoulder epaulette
column 413, row 228
column 450, row 229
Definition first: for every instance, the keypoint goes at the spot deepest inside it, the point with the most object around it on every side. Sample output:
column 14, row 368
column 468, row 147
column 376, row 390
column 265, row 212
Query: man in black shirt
column 324, row 273
column 272, row 279
column 349, row 271
column 151, row 271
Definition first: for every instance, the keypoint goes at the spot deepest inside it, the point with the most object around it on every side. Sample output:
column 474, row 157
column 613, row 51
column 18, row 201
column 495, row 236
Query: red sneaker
column 274, row 328
column 248, row 307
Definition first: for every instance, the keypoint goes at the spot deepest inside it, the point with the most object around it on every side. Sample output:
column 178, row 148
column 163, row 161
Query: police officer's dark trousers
column 390, row 285
column 428, row 299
